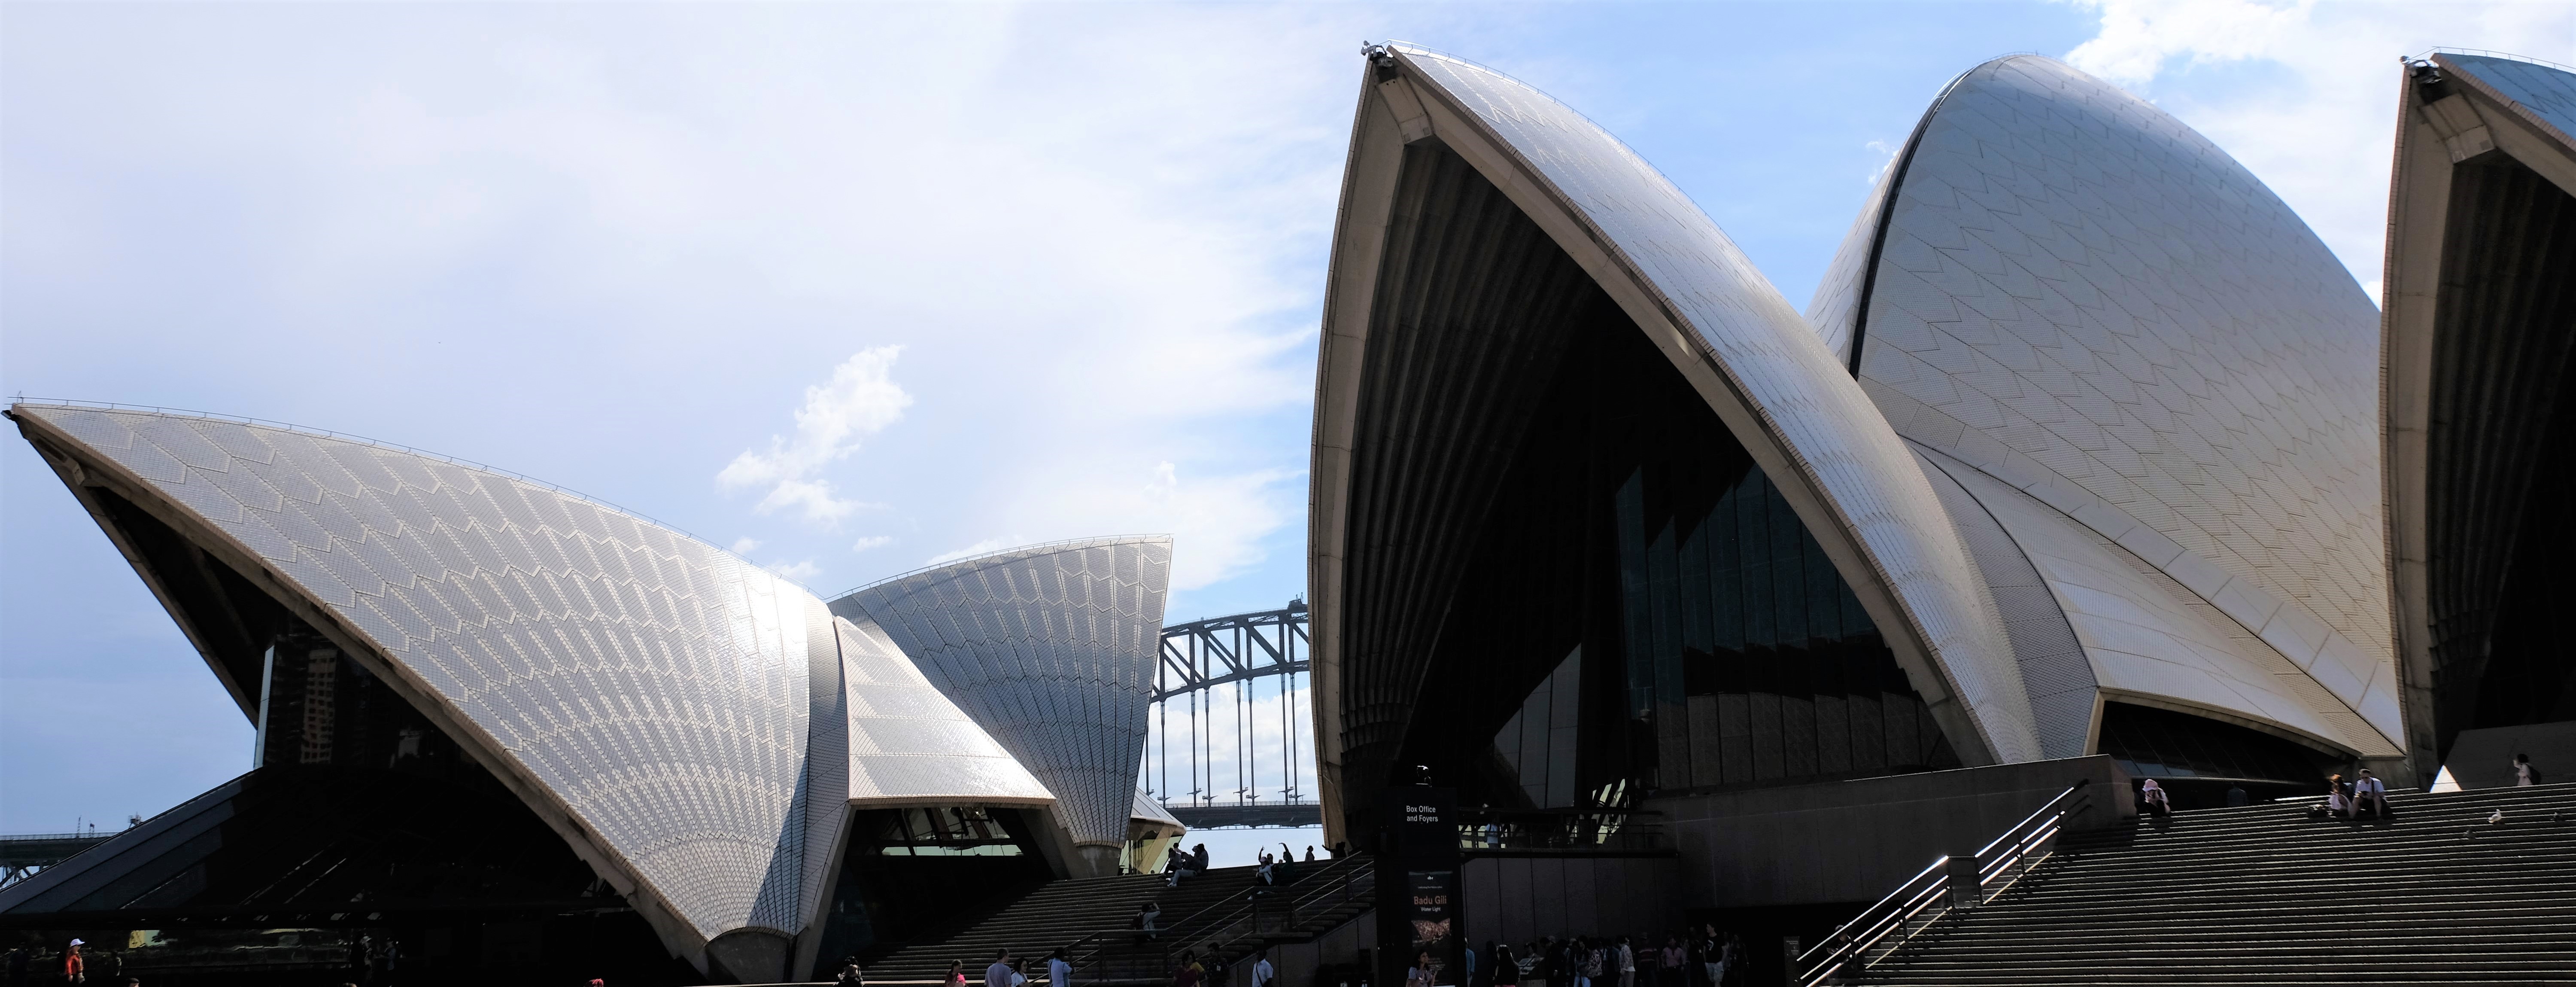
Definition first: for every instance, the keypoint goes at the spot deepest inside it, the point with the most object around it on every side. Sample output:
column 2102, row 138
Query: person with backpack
column 2523, row 772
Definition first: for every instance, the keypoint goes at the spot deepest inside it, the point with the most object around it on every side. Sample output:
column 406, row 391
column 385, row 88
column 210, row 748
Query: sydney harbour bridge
column 1230, row 737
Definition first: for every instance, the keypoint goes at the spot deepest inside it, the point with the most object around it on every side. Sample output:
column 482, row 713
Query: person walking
column 1189, row 973
column 956, row 973
column 1262, row 972
column 1668, row 963
column 1625, row 959
column 2152, row 797
column 1507, row 967
column 999, row 974
column 2523, row 772
column 75, row 967
column 18, row 967
column 1060, row 968
column 1732, row 954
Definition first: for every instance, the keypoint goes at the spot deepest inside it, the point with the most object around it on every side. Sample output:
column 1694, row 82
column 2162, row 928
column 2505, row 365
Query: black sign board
column 1418, row 882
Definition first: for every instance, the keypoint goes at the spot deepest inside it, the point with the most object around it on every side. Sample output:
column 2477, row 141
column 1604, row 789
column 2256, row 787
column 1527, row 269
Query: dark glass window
column 2166, row 745
column 912, row 871
column 1567, row 582
column 943, row 832
column 1781, row 676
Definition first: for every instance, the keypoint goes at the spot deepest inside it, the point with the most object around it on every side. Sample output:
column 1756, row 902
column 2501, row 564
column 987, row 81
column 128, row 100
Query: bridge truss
column 1231, row 734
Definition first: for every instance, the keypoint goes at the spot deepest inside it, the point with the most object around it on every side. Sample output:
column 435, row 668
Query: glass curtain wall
column 1746, row 650
column 1570, row 585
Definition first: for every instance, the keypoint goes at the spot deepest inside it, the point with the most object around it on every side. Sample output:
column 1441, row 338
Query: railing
column 1225, row 930
column 1588, row 830
column 1951, row 884
column 23, row 856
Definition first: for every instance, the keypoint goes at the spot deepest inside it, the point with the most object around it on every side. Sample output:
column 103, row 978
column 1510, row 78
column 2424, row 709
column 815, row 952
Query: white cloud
column 745, row 545
column 872, row 541
column 2304, row 94
column 2139, row 38
column 795, row 571
column 1217, row 524
column 978, row 548
column 860, row 400
column 1886, row 159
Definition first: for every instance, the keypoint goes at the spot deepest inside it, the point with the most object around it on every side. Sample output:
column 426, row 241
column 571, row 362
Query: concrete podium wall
column 1518, row 899
column 1855, row 841
column 2484, row 758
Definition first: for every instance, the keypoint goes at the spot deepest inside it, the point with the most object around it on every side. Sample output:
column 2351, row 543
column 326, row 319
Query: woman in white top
column 1420, row 974
column 2523, row 773
column 2152, row 795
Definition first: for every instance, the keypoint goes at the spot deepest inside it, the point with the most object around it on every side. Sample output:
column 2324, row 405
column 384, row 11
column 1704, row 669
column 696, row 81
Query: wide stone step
column 2264, row 895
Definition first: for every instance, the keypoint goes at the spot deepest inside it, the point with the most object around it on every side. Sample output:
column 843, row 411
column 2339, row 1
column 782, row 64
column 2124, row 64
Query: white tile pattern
column 2082, row 296
column 654, row 683
column 2054, row 670
column 2548, row 95
column 2146, row 635
column 908, row 741
column 1051, row 648
column 1791, row 381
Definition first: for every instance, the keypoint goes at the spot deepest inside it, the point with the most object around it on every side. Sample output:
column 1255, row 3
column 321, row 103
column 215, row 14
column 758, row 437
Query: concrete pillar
column 1963, row 880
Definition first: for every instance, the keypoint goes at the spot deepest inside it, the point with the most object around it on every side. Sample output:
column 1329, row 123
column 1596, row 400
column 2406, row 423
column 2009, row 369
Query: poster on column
column 1434, row 909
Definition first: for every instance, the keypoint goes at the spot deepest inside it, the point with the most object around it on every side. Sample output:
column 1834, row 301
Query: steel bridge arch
column 1223, row 661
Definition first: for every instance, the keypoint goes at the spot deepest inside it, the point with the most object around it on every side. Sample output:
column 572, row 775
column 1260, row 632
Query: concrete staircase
column 2266, row 895
column 1224, row 914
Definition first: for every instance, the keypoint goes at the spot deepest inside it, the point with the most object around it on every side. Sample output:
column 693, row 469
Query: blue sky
column 854, row 287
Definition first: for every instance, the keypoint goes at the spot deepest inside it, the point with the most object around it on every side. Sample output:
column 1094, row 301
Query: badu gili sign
column 1418, row 909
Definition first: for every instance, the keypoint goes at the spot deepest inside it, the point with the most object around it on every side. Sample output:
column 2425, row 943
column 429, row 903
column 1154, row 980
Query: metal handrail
column 1935, row 893
column 1338, row 877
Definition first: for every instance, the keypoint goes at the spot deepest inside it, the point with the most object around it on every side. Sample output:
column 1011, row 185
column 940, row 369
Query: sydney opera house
column 2086, row 460
column 486, row 705
column 2086, row 453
